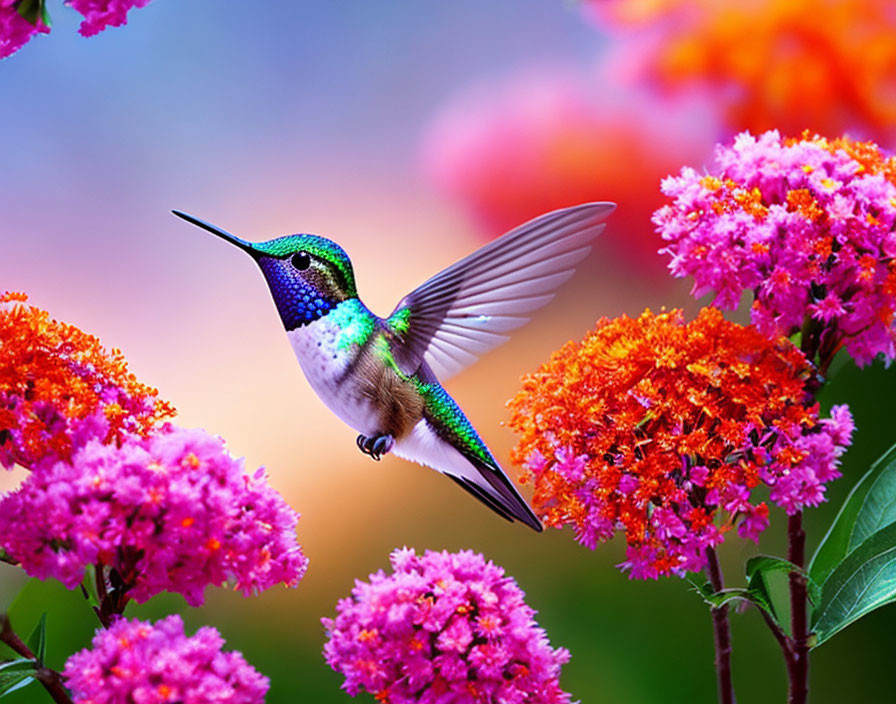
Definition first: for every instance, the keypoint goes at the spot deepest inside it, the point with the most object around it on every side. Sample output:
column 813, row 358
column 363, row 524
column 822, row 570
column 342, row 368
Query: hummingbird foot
column 375, row 446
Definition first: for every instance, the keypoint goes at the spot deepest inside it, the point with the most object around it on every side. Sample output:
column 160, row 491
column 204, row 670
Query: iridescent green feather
column 440, row 409
column 317, row 246
column 354, row 321
column 400, row 320
column 445, row 414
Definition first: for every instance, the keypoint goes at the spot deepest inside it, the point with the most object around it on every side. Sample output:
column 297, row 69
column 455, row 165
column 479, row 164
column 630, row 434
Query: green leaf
column 15, row 674
column 705, row 590
column 761, row 567
column 763, row 564
column 878, row 510
column 721, row 598
column 864, row 581
column 757, row 569
column 34, row 10
column 29, row 10
column 89, row 587
column 45, row 14
column 870, row 507
column 700, row 587
column 37, row 641
column 15, row 685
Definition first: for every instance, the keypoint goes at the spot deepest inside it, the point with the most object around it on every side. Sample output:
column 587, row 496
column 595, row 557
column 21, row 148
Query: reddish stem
column 111, row 594
column 798, row 663
column 101, row 611
column 721, row 632
column 780, row 636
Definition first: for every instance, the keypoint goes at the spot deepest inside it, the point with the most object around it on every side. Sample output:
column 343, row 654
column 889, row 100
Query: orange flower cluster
column 786, row 64
column 56, row 380
column 658, row 428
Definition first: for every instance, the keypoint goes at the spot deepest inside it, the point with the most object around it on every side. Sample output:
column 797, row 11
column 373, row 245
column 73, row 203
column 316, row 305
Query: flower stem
column 50, row 679
column 102, row 611
column 798, row 665
column 721, row 632
column 780, row 636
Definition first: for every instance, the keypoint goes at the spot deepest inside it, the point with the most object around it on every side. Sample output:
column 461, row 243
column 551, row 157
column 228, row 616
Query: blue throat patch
column 297, row 301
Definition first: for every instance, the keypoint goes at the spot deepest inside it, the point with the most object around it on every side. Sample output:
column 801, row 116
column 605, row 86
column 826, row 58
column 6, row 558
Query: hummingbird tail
column 467, row 485
column 500, row 495
column 483, row 479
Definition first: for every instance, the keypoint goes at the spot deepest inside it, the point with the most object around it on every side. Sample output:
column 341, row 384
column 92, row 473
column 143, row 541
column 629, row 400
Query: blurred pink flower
column 99, row 14
column 553, row 138
column 171, row 512
column 137, row 661
column 443, row 627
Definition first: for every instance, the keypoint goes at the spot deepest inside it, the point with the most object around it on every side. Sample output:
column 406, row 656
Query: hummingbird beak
column 247, row 247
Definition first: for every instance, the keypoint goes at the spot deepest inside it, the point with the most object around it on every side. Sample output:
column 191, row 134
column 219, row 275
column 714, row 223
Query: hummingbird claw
column 382, row 444
column 375, row 446
column 365, row 445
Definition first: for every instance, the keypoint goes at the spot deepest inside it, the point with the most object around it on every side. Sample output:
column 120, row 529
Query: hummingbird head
column 308, row 275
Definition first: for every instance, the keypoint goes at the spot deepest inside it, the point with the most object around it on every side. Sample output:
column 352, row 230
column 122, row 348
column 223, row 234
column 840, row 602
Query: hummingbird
column 381, row 376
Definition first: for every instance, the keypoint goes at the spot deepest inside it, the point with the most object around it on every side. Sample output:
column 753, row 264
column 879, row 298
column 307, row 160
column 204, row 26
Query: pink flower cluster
column 444, row 628
column 99, row 14
column 807, row 225
column 819, row 461
column 136, row 661
column 15, row 30
column 38, row 433
column 678, row 530
column 171, row 512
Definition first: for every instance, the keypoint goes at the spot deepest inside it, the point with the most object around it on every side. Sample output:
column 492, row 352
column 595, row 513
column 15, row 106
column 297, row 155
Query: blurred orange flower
column 547, row 139
column 822, row 65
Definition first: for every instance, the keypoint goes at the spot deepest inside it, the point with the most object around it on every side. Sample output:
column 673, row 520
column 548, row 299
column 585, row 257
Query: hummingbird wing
column 461, row 312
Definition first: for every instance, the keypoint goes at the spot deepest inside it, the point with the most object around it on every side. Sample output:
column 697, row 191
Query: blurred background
column 411, row 133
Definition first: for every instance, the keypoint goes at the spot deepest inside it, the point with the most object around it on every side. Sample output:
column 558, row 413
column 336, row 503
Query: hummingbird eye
column 301, row 260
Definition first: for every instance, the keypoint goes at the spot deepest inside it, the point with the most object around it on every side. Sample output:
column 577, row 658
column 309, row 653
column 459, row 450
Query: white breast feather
column 325, row 361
